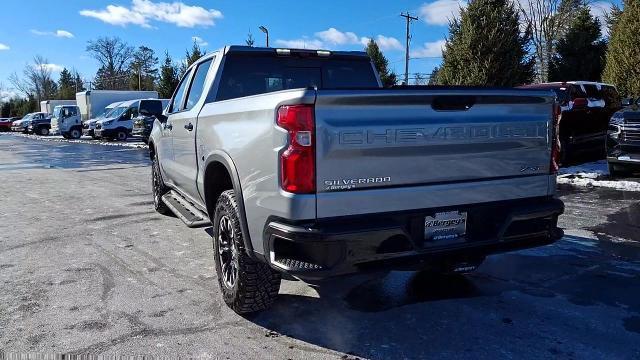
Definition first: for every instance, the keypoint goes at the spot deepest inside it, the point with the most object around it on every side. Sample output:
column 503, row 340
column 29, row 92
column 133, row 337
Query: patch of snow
column 131, row 143
column 594, row 174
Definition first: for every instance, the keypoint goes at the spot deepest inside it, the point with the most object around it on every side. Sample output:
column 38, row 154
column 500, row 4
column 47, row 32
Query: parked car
column 586, row 110
column 119, row 122
column 5, row 123
column 623, row 140
column 66, row 121
column 40, row 125
column 92, row 103
column 22, row 125
column 307, row 167
column 142, row 124
column 89, row 126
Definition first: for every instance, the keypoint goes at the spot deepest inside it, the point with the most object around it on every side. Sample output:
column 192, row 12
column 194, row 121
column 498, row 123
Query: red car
column 5, row 123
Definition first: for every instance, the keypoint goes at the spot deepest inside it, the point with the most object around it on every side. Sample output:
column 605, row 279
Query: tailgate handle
column 453, row 103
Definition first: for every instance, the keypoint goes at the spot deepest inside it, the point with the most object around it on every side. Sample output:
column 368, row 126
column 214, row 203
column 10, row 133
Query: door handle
column 189, row 126
column 168, row 126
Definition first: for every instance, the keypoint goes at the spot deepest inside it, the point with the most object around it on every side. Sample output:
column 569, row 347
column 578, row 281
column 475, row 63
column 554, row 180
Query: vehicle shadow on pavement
column 399, row 314
column 74, row 155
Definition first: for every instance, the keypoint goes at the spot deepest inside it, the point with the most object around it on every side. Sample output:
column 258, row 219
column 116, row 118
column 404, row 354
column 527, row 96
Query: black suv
column 586, row 110
column 623, row 140
column 148, row 111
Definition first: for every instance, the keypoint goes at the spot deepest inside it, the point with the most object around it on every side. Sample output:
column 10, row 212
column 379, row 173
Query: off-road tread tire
column 159, row 206
column 257, row 284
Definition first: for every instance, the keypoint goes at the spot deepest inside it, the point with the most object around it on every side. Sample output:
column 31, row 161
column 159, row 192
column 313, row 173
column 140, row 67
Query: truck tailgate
column 415, row 137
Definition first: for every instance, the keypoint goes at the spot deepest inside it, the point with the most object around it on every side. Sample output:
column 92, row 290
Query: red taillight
column 297, row 162
column 555, row 139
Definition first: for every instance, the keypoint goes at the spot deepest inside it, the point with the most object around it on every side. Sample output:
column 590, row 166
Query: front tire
column 75, row 134
column 121, row 135
column 247, row 285
column 618, row 170
column 158, row 188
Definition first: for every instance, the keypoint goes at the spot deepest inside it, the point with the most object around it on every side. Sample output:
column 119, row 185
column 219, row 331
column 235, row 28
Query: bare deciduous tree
column 114, row 56
column 547, row 20
column 36, row 80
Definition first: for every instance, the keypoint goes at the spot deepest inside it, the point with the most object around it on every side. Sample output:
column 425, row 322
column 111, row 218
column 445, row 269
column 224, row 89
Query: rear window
column 151, row 106
column 592, row 91
column 252, row 75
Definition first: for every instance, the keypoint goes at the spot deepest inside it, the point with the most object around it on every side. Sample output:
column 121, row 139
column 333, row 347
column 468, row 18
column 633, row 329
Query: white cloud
column 301, row 43
column 600, row 9
column 142, row 11
column 4, row 47
column 57, row 33
column 334, row 36
column 200, row 41
column 429, row 49
column 53, row 67
column 117, row 15
column 439, row 12
column 64, row 34
column 177, row 13
column 388, row 43
column 6, row 95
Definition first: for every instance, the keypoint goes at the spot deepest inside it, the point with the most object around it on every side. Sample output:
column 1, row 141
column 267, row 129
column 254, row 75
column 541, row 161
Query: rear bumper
column 313, row 251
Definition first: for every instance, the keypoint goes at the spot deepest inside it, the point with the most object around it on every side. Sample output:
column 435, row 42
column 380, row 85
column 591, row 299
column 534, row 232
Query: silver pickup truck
column 307, row 168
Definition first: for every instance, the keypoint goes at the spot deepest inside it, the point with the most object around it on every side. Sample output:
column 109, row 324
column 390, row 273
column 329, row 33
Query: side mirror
column 580, row 103
column 627, row 102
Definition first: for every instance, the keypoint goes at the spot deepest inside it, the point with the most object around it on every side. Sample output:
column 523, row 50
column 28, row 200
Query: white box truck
column 93, row 102
column 47, row 106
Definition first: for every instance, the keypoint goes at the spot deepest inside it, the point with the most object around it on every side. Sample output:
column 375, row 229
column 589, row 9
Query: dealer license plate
column 448, row 225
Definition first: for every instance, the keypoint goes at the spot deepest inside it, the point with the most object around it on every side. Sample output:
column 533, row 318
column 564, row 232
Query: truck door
column 165, row 145
column 184, row 133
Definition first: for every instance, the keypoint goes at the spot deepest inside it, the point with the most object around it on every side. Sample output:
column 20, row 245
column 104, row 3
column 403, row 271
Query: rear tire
column 158, row 188
column 247, row 285
column 43, row 131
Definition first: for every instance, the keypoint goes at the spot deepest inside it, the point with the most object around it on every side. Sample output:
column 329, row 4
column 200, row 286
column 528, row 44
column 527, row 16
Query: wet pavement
column 87, row 266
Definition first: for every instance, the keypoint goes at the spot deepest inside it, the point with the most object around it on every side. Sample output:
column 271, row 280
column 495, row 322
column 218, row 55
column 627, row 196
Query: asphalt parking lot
column 87, row 266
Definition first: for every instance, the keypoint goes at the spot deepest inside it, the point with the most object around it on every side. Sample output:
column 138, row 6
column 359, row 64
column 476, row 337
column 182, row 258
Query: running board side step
column 185, row 211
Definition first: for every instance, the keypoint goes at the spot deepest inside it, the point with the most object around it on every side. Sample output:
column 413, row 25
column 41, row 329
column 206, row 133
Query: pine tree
column 580, row 53
column 168, row 78
column 78, row 84
column 623, row 54
column 195, row 54
column 381, row 63
column 250, row 40
column 486, row 47
column 66, row 86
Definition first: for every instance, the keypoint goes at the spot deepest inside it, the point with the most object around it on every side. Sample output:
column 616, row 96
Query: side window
column 197, row 85
column 176, row 103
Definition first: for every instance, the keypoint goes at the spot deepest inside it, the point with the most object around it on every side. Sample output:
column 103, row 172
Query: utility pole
column 408, row 17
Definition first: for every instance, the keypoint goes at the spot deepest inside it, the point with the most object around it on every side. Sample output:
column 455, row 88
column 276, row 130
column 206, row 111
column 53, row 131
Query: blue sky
column 59, row 30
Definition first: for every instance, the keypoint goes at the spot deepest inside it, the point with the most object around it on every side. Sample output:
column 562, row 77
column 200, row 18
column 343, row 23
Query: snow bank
column 594, row 174
column 131, row 143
